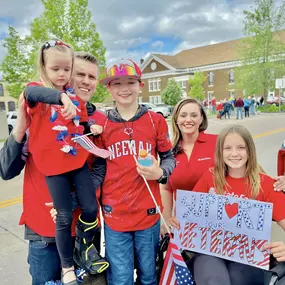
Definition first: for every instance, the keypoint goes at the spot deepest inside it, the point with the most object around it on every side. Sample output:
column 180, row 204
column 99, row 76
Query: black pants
column 246, row 111
column 210, row 270
column 59, row 187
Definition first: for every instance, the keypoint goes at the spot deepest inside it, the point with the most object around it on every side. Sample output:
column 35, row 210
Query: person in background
column 214, row 104
column 239, row 105
column 247, row 102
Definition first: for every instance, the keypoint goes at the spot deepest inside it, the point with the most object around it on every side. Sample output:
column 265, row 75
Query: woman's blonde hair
column 176, row 133
column 42, row 58
column 252, row 171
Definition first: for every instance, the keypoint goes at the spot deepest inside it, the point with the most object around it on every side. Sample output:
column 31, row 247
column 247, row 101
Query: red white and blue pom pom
column 76, row 120
column 60, row 136
column 54, row 115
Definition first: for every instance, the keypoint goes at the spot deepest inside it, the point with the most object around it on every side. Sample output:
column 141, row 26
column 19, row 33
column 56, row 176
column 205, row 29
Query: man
column 39, row 227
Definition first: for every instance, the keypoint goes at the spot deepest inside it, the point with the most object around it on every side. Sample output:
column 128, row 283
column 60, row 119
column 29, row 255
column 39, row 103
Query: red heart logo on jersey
column 231, row 209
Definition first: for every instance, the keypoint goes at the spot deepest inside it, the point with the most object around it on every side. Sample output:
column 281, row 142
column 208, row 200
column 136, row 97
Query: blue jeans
column 239, row 111
column 123, row 249
column 44, row 262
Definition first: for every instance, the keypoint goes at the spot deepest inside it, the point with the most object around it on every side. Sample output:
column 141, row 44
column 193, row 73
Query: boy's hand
column 69, row 109
column 153, row 172
column 96, row 129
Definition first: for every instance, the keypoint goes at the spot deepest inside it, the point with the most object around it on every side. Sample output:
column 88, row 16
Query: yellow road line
column 17, row 200
column 268, row 133
column 11, row 202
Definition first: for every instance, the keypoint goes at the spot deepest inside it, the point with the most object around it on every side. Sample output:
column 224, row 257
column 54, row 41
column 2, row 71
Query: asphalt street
column 268, row 131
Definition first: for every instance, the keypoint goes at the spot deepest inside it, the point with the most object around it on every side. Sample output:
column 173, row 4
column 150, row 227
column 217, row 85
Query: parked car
column 164, row 111
column 170, row 108
column 275, row 100
column 11, row 119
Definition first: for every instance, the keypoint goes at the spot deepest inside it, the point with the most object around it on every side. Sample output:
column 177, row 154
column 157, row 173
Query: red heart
column 231, row 209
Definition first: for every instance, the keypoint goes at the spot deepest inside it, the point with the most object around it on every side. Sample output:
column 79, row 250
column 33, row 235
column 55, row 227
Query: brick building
column 217, row 62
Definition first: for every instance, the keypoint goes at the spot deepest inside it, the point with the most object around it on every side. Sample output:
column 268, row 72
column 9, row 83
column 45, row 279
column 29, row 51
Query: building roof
column 206, row 55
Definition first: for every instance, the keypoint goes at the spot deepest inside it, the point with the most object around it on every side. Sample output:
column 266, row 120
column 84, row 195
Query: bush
column 271, row 108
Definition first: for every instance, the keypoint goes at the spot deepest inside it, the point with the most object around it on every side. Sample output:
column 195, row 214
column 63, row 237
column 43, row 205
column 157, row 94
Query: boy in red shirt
column 132, row 223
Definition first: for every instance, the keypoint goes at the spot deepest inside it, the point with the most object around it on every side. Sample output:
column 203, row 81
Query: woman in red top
column 59, row 158
column 237, row 173
column 193, row 150
column 194, row 153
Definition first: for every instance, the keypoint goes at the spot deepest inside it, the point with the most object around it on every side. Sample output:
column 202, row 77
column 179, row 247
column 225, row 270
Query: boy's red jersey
column 43, row 145
column 126, row 202
column 237, row 187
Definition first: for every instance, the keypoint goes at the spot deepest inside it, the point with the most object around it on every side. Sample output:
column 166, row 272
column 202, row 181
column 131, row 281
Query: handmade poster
column 224, row 226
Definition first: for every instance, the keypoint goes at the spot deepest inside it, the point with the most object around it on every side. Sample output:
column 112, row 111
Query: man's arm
column 11, row 162
column 98, row 171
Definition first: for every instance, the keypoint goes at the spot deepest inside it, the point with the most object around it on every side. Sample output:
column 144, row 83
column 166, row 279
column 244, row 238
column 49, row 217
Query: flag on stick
column 86, row 143
column 175, row 270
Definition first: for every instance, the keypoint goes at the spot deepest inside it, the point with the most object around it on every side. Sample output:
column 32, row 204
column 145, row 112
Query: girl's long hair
column 252, row 178
column 176, row 133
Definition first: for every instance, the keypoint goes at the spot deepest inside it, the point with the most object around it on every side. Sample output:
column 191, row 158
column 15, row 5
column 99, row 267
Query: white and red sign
column 224, row 226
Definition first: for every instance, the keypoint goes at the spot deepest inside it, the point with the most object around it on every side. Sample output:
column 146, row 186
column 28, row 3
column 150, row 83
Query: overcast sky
column 131, row 28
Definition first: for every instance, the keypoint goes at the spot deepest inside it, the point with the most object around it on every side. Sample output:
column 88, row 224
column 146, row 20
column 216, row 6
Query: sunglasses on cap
column 49, row 44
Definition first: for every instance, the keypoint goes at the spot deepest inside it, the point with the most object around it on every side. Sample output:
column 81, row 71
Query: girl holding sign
column 237, row 173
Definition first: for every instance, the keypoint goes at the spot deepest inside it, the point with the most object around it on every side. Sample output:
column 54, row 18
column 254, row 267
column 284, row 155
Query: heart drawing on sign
column 231, row 209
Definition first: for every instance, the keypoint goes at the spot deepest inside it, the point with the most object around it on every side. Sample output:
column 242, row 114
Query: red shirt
column 187, row 172
column 44, row 147
column 35, row 194
column 237, row 188
column 220, row 107
column 213, row 102
column 126, row 202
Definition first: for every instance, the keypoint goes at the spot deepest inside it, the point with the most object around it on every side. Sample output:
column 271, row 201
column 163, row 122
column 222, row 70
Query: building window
column 211, row 78
column 154, row 85
column 2, row 106
column 182, row 83
column 155, row 99
column 231, row 77
column 232, row 93
column 11, row 106
column 1, row 90
column 210, row 95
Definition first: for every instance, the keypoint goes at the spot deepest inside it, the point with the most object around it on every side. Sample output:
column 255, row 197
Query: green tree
column 16, row 67
column 68, row 20
column 172, row 94
column 262, row 52
column 196, row 86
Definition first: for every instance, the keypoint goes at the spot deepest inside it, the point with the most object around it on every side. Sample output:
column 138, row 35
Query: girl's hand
column 279, row 185
column 96, row 129
column 69, row 109
column 277, row 249
column 153, row 172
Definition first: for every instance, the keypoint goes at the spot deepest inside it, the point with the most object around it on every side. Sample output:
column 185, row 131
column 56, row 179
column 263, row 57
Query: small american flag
column 86, row 143
column 175, row 271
